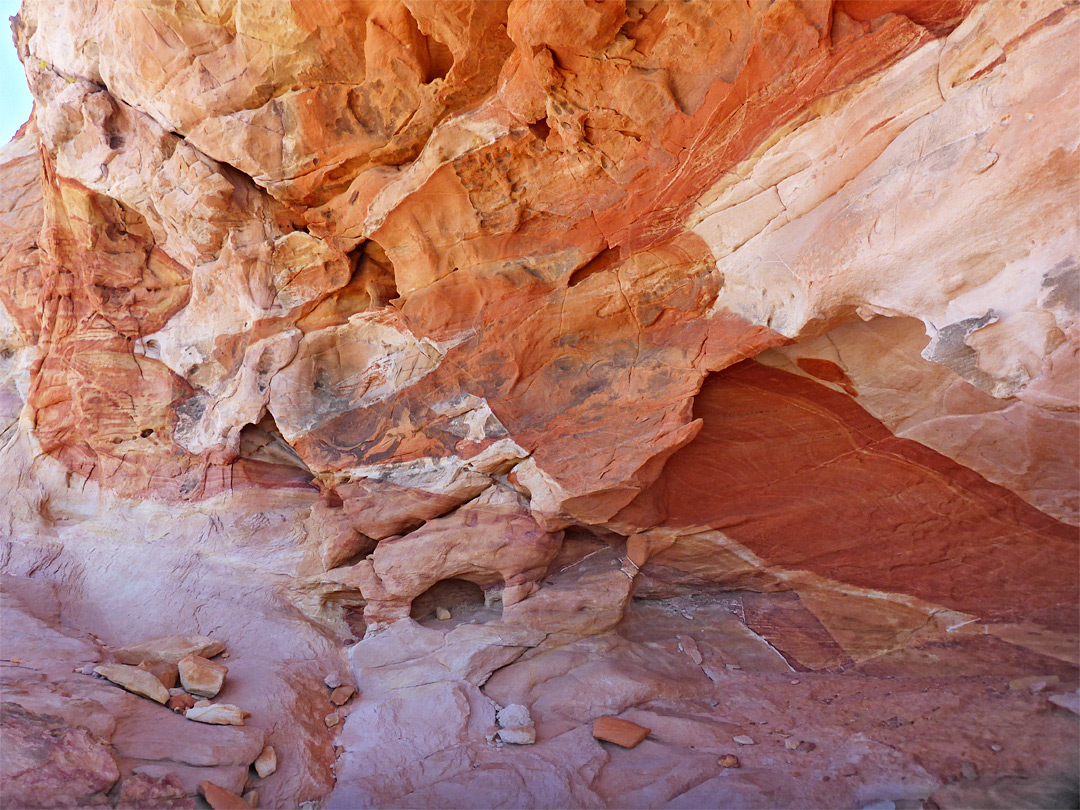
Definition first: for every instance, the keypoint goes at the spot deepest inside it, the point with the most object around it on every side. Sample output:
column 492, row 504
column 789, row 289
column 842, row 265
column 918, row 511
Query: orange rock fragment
column 181, row 703
column 221, row 799
column 201, row 676
column 165, row 672
column 341, row 695
column 620, row 732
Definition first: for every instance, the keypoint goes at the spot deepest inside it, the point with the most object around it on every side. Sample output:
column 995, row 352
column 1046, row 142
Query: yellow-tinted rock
column 135, row 680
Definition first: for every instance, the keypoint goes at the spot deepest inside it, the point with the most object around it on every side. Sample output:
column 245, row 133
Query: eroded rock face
column 456, row 348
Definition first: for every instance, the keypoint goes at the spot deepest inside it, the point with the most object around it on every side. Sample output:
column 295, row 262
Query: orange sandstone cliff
column 709, row 365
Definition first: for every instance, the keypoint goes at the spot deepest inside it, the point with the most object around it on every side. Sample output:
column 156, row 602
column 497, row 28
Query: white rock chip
column 515, row 725
column 513, row 715
column 218, row 714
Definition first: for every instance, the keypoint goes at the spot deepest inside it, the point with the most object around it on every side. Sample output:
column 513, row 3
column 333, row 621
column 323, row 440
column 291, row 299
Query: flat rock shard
column 541, row 403
column 168, row 649
column 221, row 799
column 219, row 714
column 135, row 680
column 623, row 733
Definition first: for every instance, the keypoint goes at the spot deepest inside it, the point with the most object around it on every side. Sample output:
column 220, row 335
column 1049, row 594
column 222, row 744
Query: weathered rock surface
column 47, row 763
column 713, row 366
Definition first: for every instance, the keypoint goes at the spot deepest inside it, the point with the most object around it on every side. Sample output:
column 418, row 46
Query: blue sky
column 15, row 100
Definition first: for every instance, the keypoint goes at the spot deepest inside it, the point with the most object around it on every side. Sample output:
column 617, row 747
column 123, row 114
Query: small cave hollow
column 604, row 260
column 454, row 595
column 541, row 129
column 440, row 60
column 371, row 285
column 263, row 442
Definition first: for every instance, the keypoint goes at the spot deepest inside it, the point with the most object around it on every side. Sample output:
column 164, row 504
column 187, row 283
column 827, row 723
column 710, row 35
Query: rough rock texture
column 713, row 366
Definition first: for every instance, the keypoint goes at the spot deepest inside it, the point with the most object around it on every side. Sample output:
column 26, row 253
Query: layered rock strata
column 700, row 365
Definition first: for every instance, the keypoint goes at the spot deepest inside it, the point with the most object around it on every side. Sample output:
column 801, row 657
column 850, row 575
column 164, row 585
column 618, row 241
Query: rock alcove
column 570, row 403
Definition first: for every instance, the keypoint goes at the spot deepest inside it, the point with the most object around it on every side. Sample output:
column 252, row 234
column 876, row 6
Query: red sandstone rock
column 48, row 763
column 221, row 799
column 181, row 703
column 341, row 695
column 557, row 304
column 168, row 649
column 621, row 732
column 166, row 673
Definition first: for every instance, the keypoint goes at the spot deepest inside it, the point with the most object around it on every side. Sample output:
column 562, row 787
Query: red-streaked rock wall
column 583, row 304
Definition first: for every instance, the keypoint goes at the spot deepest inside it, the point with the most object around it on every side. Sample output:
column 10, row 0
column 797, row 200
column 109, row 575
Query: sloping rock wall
column 315, row 317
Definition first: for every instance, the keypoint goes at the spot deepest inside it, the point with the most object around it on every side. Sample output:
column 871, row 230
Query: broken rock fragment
column 728, row 761
column 166, row 673
column 518, row 735
column 134, row 680
column 515, row 725
column 221, row 799
column 201, row 676
column 621, row 732
column 266, row 763
column 218, row 714
column 341, row 695
column 1069, row 700
column 168, row 649
column 181, row 703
